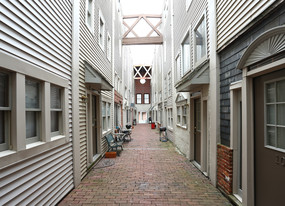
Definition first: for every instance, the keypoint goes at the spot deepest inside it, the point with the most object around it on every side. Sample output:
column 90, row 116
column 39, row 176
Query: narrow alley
column 147, row 172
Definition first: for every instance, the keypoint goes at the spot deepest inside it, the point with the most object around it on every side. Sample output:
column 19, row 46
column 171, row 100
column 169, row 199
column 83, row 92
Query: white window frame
column 184, row 115
column 19, row 70
column 197, row 62
column 37, row 112
column 170, row 118
column 7, row 116
column 275, row 125
column 188, row 4
column 185, row 70
column 58, row 110
column 144, row 98
column 109, row 47
column 89, row 12
column 178, row 67
column 179, row 114
column 139, row 102
column 101, row 31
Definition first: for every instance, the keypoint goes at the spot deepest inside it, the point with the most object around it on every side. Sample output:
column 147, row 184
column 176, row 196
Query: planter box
column 110, row 154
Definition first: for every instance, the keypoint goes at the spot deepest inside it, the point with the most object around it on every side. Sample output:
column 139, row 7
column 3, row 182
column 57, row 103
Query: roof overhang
column 95, row 80
column 197, row 78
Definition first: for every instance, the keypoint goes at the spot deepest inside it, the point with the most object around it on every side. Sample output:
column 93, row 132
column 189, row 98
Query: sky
column 142, row 54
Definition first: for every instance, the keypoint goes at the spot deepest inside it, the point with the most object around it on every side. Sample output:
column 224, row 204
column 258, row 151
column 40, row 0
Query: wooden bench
column 113, row 145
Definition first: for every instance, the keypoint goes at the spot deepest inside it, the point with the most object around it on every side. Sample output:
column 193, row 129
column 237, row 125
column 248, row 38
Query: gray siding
column 233, row 16
column 39, row 32
column 229, row 58
column 91, row 51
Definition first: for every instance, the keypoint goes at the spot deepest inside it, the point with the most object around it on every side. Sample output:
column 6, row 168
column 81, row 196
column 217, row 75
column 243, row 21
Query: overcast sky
column 142, row 54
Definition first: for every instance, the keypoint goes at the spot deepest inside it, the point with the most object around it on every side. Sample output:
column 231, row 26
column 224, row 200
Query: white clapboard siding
column 39, row 32
column 183, row 21
column 234, row 16
column 91, row 52
column 33, row 180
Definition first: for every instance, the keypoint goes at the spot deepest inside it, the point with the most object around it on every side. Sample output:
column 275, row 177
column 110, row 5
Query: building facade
column 251, row 46
column 35, row 102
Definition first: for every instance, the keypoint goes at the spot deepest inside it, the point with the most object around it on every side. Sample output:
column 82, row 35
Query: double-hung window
column 55, row 110
column 101, row 31
column 33, row 110
column 108, row 115
column 179, row 115
column 109, row 47
column 200, row 47
column 146, row 98
column 89, row 14
column 186, row 54
column 184, row 115
column 139, row 98
column 5, row 111
column 104, row 123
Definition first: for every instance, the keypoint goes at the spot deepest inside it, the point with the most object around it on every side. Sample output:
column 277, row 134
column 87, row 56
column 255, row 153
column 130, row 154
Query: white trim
column 18, row 65
column 200, row 61
column 90, row 27
column 101, row 18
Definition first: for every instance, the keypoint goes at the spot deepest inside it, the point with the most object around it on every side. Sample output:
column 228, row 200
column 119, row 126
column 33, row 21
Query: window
column 55, row 110
column 169, row 84
column 275, row 114
column 109, row 47
column 165, row 88
column 104, row 121
column 5, row 110
column 184, row 115
column 146, row 98
column 139, row 98
column 188, row 3
column 101, row 31
column 178, row 68
column 33, row 111
column 179, row 115
column 170, row 118
column 186, row 54
column 106, row 116
column 89, row 14
column 200, row 41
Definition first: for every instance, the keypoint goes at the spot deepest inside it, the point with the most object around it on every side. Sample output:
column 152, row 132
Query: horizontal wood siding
column 234, row 16
column 185, row 20
column 91, row 52
column 41, row 180
column 40, row 33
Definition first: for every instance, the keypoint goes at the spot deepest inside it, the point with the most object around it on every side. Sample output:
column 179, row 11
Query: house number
column 280, row 160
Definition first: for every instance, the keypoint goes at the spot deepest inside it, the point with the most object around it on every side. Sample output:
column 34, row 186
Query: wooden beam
column 142, row 40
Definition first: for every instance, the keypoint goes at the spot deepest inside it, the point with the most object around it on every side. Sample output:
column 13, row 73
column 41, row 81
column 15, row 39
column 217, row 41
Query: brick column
column 225, row 169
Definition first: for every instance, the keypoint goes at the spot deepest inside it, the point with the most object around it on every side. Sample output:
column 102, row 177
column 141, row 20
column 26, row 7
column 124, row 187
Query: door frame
column 91, row 158
column 204, row 165
column 248, row 127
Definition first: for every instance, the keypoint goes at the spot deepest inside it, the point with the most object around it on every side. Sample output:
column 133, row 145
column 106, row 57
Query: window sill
column 57, row 137
column 35, row 144
column 9, row 157
column 6, row 153
column 182, row 127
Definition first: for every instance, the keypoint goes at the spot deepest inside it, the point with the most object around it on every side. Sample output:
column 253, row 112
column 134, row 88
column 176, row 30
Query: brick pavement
column 148, row 172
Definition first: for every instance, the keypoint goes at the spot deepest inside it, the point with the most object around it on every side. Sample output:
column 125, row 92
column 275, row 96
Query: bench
column 112, row 144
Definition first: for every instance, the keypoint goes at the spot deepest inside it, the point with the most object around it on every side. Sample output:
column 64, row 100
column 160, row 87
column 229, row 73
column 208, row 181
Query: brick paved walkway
column 148, row 172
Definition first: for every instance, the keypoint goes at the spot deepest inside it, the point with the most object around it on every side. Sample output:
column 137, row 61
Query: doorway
column 269, row 138
column 197, row 131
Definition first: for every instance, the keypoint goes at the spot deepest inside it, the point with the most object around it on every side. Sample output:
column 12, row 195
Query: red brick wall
column 225, row 169
column 142, row 89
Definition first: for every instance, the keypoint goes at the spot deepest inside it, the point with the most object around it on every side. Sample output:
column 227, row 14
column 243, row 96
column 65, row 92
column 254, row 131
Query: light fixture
column 142, row 81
